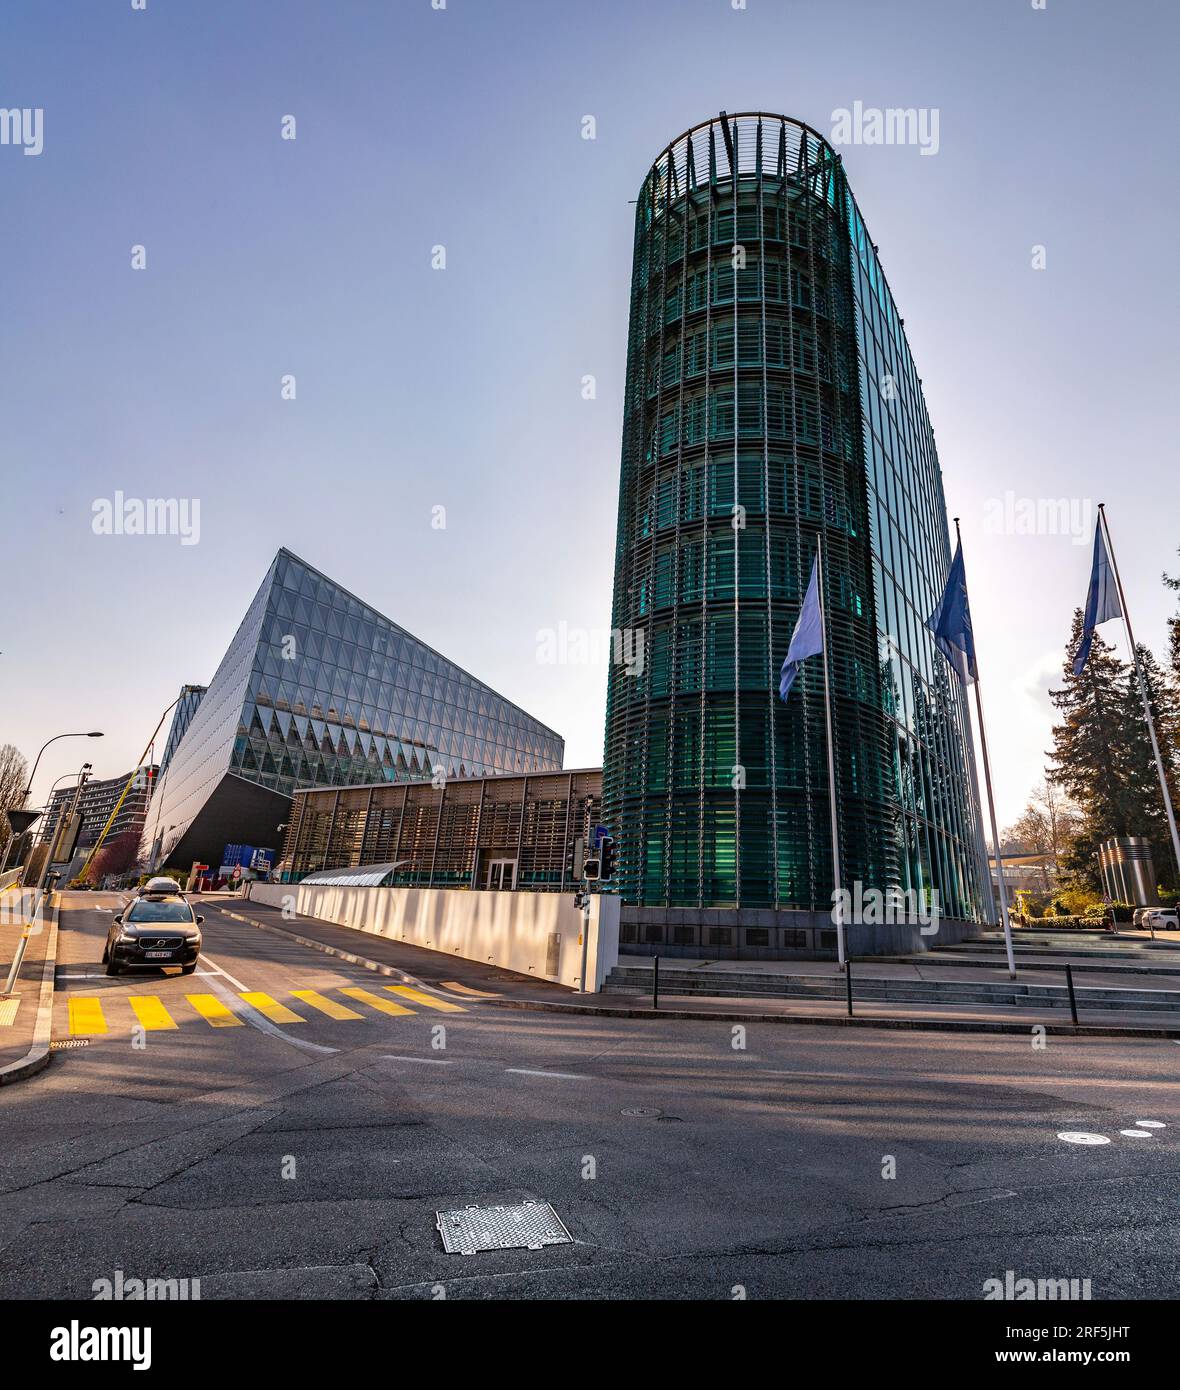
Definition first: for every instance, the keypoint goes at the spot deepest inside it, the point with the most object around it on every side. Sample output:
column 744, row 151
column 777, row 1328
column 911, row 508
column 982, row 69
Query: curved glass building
column 770, row 397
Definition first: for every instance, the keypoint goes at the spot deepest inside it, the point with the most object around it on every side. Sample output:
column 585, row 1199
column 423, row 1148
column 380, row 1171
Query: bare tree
column 1046, row 827
column 14, row 772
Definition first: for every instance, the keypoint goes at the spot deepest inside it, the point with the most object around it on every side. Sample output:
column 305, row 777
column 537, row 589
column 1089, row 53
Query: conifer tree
column 1103, row 758
column 1143, row 774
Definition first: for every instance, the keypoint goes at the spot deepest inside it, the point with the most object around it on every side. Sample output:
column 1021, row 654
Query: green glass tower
column 771, row 397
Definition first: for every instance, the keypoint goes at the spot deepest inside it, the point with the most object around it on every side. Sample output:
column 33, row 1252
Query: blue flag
column 808, row 637
column 951, row 621
column 1102, row 599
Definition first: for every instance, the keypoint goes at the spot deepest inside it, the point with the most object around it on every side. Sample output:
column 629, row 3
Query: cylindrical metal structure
column 770, row 397
column 1128, row 870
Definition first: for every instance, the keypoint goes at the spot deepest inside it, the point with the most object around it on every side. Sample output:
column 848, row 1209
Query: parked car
column 152, row 931
column 1161, row 919
column 1137, row 916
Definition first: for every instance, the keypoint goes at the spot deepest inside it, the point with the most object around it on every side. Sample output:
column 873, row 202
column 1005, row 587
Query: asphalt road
column 301, row 1154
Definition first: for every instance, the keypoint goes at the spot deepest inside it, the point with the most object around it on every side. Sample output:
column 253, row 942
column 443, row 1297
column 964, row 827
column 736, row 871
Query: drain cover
column 68, row 1044
column 527, row 1226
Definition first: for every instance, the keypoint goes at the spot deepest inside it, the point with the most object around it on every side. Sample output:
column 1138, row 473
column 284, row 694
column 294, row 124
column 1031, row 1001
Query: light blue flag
column 808, row 637
column 951, row 621
column 1102, row 599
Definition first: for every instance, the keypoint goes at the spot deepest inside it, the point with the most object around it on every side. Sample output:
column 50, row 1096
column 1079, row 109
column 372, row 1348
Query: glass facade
column 498, row 833
column 319, row 689
column 186, row 707
column 771, row 397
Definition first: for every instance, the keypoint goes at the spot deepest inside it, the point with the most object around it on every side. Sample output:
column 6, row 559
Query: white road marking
column 217, row 970
column 1137, row 1133
column 251, row 1015
column 1080, row 1137
column 430, row 1061
column 1151, row 1124
column 561, row 1075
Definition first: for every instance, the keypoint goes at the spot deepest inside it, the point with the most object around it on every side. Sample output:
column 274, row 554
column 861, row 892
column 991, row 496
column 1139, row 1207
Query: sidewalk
column 26, row 1017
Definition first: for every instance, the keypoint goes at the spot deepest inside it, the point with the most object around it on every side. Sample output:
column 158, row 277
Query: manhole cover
column 642, row 1112
column 525, row 1226
column 1079, row 1137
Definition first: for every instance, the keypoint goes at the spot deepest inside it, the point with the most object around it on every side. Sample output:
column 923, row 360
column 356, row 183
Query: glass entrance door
column 501, row 875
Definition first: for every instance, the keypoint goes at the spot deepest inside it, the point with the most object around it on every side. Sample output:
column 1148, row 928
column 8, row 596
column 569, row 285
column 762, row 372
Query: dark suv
column 152, row 931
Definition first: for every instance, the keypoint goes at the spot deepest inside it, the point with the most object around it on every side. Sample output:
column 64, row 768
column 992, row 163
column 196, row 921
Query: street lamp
column 97, row 733
column 82, row 774
column 64, row 819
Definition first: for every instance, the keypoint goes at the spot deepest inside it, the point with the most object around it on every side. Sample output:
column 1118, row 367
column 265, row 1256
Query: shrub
column 1068, row 920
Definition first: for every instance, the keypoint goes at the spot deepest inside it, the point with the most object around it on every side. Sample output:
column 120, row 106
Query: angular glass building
column 771, row 397
column 319, row 689
column 186, row 706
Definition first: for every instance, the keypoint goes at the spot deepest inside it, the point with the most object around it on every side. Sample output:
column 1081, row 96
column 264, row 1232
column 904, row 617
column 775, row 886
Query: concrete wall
column 511, row 930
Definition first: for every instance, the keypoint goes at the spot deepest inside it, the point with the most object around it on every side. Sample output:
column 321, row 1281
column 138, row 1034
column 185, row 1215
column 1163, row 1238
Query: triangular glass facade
column 319, row 689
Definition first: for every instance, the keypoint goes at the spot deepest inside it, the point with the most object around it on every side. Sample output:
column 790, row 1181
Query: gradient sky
column 462, row 388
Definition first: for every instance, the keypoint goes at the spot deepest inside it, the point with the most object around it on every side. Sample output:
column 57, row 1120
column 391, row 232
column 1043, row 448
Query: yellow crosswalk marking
column 374, row 1001
column 431, row 1002
column 150, row 1011
column 86, row 1016
column 467, row 989
column 324, row 1004
column 276, row 1012
column 213, row 1011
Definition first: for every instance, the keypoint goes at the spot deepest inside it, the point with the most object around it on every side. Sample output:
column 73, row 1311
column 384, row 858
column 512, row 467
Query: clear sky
column 462, row 388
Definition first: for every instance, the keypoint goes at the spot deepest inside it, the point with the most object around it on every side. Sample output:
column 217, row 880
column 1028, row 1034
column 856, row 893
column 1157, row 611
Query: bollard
column 1073, row 1002
column 848, row 982
column 655, row 983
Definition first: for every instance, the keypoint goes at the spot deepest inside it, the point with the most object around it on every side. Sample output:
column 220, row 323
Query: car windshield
column 145, row 911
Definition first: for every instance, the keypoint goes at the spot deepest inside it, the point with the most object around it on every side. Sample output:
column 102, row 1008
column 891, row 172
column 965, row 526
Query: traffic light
column 606, row 857
column 591, row 870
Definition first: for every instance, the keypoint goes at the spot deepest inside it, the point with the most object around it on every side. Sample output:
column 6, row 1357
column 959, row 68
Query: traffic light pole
column 595, row 869
column 585, row 942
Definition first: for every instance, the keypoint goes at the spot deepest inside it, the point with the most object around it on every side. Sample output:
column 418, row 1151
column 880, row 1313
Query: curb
column 37, row 1057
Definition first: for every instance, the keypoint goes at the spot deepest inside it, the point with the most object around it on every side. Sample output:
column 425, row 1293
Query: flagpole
column 1155, row 747
column 1005, row 921
column 980, row 837
column 837, row 894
